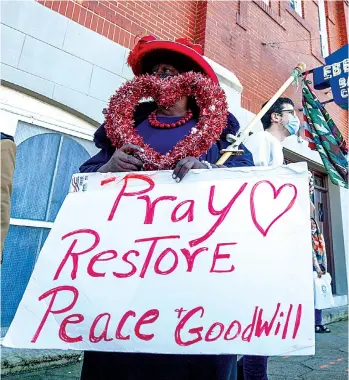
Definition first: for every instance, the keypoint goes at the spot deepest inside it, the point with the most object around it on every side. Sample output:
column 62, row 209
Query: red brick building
column 259, row 41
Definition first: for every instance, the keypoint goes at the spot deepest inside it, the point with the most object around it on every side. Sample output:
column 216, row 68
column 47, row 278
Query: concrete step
column 335, row 314
column 15, row 360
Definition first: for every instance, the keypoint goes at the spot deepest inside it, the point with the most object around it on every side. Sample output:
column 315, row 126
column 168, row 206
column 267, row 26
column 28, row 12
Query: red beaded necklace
column 154, row 122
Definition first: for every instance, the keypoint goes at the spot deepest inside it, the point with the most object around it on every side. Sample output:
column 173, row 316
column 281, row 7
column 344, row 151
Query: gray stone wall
column 48, row 54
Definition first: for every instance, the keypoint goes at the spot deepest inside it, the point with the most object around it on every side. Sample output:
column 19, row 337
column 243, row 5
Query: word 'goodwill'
column 104, row 328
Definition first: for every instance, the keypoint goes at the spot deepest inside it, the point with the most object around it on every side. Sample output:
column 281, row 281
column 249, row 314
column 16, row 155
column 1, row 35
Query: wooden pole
column 241, row 137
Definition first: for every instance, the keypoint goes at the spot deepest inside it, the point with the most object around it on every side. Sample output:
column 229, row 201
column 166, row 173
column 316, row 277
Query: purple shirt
column 163, row 140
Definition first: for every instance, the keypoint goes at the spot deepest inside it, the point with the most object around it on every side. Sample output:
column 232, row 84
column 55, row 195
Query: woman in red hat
column 160, row 129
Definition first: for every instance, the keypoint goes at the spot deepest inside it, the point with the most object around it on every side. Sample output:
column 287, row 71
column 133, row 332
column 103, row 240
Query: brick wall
column 124, row 21
column 336, row 24
column 238, row 45
column 337, row 12
column 260, row 43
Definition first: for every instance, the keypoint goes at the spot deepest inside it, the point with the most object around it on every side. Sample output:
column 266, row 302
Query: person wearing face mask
column 279, row 123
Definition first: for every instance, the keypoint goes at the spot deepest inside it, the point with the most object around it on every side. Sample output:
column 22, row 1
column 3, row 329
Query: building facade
column 62, row 60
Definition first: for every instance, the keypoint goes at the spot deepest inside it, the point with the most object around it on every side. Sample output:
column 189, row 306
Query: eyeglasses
column 164, row 70
column 292, row 112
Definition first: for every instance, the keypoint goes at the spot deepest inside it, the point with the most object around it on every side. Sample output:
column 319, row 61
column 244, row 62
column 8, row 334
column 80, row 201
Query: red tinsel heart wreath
column 210, row 98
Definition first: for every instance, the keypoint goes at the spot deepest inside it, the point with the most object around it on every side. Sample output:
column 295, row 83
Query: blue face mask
column 293, row 125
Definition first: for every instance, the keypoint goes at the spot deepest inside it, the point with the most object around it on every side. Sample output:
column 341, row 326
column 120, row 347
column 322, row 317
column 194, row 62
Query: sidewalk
column 329, row 363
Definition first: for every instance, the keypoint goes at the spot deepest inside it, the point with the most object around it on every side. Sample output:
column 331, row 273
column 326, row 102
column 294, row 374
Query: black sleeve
column 95, row 162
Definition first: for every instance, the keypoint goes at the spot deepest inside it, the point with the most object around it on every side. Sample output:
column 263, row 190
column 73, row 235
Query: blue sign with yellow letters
column 334, row 74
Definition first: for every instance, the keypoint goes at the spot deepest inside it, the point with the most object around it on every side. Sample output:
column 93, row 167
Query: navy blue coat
column 107, row 149
column 130, row 366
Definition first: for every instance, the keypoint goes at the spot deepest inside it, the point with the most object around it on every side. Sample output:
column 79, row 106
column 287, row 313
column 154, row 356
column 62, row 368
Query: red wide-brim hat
column 149, row 45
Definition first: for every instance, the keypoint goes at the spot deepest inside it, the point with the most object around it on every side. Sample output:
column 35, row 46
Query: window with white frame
column 49, row 151
column 297, row 6
column 323, row 28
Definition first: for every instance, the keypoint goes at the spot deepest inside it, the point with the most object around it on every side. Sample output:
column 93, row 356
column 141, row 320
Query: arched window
column 45, row 163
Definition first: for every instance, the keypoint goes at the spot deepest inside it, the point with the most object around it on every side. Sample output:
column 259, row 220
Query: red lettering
column 266, row 327
column 161, row 257
column 134, row 268
column 150, row 210
column 196, row 330
column 108, row 180
column 148, row 317
column 118, row 334
column 218, row 256
column 191, row 257
column 222, row 214
column 231, row 326
column 179, row 312
column 210, row 331
column 151, row 250
column 97, row 257
column 103, row 336
column 284, row 332
column 73, row 319
column 297, row 321
column 277, row 328
column 49, row 310
column 278, row 324
column 123, row 192
column 75, row 255
column 188, row 213
column 248, row 331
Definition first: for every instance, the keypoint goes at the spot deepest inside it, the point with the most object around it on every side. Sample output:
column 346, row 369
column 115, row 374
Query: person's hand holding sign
column 184, row 165
column 123, row 160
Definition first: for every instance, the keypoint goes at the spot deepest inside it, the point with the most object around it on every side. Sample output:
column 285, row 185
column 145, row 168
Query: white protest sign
column 218, row 264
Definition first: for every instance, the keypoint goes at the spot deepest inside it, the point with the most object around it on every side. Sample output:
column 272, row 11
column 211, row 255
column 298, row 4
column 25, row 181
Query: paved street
column 329, row 363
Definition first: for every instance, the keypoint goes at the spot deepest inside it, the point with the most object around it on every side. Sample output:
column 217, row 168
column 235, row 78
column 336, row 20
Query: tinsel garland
column 210, row 98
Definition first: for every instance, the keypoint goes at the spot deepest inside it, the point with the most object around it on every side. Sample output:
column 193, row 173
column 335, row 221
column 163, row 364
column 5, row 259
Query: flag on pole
column 323, row 136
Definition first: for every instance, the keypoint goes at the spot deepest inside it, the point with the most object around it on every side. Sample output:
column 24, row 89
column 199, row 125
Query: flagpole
column 233, row 149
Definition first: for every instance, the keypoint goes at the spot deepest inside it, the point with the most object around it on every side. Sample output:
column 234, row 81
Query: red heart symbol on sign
column 263, row 231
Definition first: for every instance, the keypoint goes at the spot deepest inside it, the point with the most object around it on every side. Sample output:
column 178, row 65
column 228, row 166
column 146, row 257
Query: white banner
column 218, row 264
